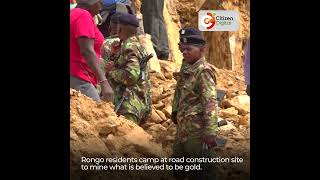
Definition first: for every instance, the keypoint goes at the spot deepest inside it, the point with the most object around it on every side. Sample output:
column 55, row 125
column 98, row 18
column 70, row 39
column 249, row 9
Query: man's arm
column 208, row 97
column 176, row 96
column 87, row 50
column 129, row 74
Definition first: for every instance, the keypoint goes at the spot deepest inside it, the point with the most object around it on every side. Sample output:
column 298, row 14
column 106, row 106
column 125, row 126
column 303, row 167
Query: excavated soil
column 96, row 131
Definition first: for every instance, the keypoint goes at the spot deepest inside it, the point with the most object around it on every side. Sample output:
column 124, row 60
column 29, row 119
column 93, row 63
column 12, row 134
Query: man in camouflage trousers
column 194, row 104
column 126, row 77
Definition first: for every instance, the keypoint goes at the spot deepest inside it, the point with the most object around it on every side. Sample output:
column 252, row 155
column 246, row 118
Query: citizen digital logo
column 224, row 18
column 218, row 20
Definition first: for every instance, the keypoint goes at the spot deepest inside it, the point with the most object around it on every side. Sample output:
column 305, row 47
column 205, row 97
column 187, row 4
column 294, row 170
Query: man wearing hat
column 194, row 104
column 129, row 81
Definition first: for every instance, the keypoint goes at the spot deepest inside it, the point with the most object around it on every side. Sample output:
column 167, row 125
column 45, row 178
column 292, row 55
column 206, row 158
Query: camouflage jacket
column 127, row 74
column 195, row 101
column 110, row 50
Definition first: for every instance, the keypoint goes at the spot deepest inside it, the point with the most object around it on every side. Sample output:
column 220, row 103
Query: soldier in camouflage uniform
column 125, row 74
column 110, row 50
column 194, row 104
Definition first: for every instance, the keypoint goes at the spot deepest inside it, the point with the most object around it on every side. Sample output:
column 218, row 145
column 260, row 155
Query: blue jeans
column 85, row 88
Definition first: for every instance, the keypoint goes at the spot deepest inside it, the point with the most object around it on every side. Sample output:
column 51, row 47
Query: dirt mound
column 97, row 126
column 159, row 124
column 96, row 131
column 235, row 108
column 225, row 49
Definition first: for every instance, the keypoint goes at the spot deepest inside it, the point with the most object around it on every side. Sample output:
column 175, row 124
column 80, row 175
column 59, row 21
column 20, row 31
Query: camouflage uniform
column 127, row 74
column 110, row 50
column 195, row 105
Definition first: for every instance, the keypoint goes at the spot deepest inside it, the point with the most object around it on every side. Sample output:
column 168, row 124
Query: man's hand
column 106, row 90
column 109, row 66
column 210, row 141
column 115, row 46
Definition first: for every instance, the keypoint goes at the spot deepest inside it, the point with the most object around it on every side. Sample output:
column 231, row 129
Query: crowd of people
column 116, row 62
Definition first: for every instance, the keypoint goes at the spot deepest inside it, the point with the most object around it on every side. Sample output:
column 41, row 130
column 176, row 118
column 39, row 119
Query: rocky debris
column 225, row 49
column 95, row 130
column 241, row 103
column 167, row 111
column 160, row 76
column 227, row 129
column 159, row 124
column 162, row 115
column 238, row 136
column 145, row 40
column 164, row 131
column 229, row 112
column 245, row 120
column 155, row 117
column 167, row 66
column 171, row 18
column 172, row 21
column 156, row 93
column 226, row 77
column 188, row 12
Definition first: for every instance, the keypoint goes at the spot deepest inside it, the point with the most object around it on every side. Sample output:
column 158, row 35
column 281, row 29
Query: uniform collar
column 190, row 69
